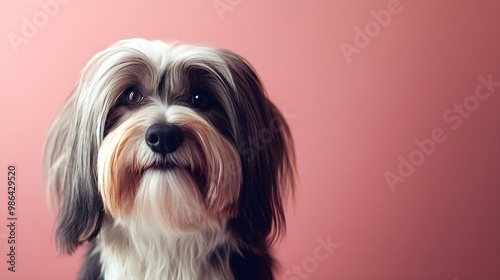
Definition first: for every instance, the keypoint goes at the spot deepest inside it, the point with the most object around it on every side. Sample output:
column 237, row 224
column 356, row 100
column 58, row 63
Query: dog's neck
column 137, row 253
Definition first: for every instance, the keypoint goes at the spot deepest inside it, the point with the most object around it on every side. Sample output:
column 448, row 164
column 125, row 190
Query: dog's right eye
column 132, row 97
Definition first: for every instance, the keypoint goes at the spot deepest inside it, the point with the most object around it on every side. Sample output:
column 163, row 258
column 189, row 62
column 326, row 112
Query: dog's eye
column 132, row 97
column 200, row 100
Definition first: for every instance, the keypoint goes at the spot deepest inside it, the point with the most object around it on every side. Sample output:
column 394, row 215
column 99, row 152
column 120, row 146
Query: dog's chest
column 126, row 259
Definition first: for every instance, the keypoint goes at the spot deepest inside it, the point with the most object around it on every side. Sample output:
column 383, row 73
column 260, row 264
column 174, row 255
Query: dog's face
column 168, row 139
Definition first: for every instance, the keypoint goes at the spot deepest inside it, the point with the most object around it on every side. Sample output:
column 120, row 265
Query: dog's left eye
column 200, row 100
column 132, row 97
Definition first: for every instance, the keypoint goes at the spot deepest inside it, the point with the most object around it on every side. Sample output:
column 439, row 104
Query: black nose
column 164, row 138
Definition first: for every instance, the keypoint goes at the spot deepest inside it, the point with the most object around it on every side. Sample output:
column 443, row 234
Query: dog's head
column 178, row 138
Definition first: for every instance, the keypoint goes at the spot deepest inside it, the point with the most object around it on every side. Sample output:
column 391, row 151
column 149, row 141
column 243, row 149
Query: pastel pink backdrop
column 352, row 116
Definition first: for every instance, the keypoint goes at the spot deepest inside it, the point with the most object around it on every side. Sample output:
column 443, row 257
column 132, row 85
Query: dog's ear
column 266, row 149
column 70, row 171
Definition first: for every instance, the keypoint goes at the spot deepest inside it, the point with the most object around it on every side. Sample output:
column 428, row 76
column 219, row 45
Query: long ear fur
column 69, row 163
column 267, row 155
column 73, row 144
column 75, row 138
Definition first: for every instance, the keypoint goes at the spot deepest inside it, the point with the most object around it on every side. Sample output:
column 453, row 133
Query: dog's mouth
column 163, row 166
column 195, row 172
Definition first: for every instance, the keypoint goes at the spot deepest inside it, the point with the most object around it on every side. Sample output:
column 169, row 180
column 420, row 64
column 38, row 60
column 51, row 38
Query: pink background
column 351, row 116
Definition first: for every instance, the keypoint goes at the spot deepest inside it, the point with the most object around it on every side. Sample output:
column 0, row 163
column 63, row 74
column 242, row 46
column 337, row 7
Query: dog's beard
column 193, row 188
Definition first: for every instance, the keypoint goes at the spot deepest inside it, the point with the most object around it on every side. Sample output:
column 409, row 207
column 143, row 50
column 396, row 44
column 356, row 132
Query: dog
column 170, row 162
